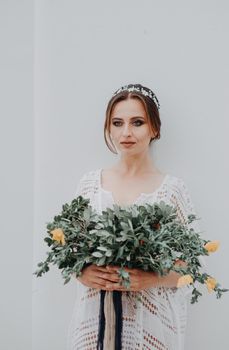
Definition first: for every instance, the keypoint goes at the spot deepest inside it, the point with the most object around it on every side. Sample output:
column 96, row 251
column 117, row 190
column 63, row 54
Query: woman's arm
column 170, row 280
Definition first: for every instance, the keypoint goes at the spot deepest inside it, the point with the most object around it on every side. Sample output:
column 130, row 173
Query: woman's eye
column 115, row 123
column 139, row 122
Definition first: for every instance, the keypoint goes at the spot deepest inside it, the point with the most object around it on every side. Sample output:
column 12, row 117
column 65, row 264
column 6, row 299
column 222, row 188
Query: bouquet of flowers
column 149, row 237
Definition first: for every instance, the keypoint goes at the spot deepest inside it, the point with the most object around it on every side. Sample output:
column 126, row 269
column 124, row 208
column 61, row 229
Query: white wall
column 16, row 185
column 83, row 52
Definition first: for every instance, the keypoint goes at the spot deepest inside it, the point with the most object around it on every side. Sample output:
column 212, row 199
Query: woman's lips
column 127, row 144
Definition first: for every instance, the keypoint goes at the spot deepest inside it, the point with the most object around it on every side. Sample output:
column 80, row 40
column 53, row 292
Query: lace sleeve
column 80, row 186
column 181, row 199
column 86, row 184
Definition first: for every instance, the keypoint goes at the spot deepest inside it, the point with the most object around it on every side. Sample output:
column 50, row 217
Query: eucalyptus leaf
column 97, row 254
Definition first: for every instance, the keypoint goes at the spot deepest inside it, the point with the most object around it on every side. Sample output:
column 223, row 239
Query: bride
column 132, row 125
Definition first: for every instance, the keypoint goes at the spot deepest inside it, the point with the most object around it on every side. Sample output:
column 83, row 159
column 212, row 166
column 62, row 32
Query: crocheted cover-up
column 158, row 320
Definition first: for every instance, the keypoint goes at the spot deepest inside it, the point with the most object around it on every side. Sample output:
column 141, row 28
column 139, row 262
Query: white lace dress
column 158, row 320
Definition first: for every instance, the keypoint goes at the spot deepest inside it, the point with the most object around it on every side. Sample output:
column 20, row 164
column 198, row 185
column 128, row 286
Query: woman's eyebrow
column 135, row 117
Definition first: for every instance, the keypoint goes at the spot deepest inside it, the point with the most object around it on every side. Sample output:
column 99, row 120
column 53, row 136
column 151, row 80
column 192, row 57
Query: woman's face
column 129, row 124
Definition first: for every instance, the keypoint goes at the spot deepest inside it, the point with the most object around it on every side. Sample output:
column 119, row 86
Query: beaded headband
column 142, row 90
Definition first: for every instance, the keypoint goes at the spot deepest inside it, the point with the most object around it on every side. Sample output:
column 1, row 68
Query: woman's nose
column 126, row 130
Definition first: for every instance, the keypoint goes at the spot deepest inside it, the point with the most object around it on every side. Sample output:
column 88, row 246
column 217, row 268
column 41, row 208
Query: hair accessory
column 141, row 89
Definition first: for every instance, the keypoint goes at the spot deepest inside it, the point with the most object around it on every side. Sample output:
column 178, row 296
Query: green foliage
column 148, row 237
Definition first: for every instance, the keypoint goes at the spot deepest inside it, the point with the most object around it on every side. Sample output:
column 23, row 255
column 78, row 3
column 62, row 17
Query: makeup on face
column 129, row 125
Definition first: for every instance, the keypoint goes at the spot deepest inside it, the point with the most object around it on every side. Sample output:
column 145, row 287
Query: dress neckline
column 142, row 194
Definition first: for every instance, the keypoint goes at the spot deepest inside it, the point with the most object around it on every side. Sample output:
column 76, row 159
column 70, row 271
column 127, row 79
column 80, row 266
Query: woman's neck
column 133, row 165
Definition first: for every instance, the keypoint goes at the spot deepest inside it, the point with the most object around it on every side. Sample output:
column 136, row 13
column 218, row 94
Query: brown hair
column 150, row 106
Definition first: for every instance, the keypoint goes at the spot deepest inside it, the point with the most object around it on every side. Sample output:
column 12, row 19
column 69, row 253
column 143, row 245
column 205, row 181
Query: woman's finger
column 113, row 277
column 127, row 269
column 102, row 282
column 133, row 271
column 102, row 286
column 99, row 268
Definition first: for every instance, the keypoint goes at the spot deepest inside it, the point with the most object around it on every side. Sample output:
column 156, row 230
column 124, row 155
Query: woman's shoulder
column 175, row 181
column 177, row 185
column 179, row 192
column 90, row 178
column 88, row 182
column 89, row 175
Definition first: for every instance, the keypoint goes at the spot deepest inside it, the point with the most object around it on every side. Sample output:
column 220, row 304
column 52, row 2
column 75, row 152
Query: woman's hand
column 107, row 278
column 139, row 279
column 98, row 277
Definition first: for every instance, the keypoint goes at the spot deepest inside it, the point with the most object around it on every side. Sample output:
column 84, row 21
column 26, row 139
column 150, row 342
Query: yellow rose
column 212, row 246
column 184, row 280
column 58, row 235
column 211, row 283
